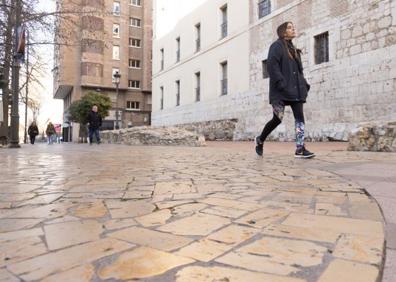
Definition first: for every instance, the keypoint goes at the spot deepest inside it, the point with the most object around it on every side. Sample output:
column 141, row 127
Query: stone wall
column 374, row 137
column 214, row 130
column 169, row 136
column 356, row 85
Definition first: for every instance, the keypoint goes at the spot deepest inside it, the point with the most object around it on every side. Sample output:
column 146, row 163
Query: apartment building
column 107, row 50
column 211, row 66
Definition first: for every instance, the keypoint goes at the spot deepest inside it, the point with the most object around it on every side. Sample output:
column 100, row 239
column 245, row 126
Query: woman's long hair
column 281, row 31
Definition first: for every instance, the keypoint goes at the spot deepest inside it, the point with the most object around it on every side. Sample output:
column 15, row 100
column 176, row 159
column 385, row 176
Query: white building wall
column 234, row 49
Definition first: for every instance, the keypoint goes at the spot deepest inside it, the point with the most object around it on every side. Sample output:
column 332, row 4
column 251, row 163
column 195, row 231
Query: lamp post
column 117, row 77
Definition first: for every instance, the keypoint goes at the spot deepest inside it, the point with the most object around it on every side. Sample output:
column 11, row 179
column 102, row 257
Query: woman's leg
column 278, row 111
column 298, row 113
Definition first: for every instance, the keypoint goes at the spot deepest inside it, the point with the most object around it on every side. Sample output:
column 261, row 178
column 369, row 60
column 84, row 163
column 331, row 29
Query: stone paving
column 115, row 213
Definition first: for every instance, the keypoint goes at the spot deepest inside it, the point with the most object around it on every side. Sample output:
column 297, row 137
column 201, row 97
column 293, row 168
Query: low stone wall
column 374, row 137
column 215, row 130
column 164, row 136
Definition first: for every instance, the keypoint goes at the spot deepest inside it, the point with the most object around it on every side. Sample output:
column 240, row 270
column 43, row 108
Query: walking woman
column 33, row 132
column 288, row 87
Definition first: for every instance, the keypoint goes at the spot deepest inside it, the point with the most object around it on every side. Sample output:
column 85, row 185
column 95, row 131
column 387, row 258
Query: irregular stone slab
column 5, row 197
column 21, row 249
column 82, row 273
column 100, row 187
column 142, row 263
column 329, row 209
column 347, row 271
column 368, row 211
column 256, row 263
column 225, row 212
column 204, row 250
column 137, row 194
column 337, row 224
column 292, row 207
column 198, row 224
column 360, row 248
column 66, row 234
column 66, row 218
column 155, row 218
column 188, row 209
column 179, row 187
column 41, row 200
column 16, row 188
column 15, row 235
column 233, row 234
column 304, row 233
column 7, row 225
column 91, row 210
column 126, row 209
column 7, row 276
column 47, row 211
column 150, row 238
column 210, row 274
column 286, row 252
column 119, row 223
column 172, row 204
column 41, row 266
column 231, row 204
column 263, row 217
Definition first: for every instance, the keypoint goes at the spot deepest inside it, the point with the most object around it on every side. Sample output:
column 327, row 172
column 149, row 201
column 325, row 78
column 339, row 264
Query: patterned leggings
column 279, row 111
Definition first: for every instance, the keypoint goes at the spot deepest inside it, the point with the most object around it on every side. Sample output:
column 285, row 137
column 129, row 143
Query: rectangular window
column 162, row 98
column 116, row 52
column 136, row 3
column 264, row 8
column 198, row 87
column 162, row 58
column 134, row 42
column 134, row 64
column 135, row 84
column 224, row 24
column 224, row 80
column 116, row 8
column 116, row 30
column 265, row 70
column 133, row 105
column 177, row 92
column 178, row 49
column 113, row 72
column 198, row 35
column 135, row 22
column 322, row 48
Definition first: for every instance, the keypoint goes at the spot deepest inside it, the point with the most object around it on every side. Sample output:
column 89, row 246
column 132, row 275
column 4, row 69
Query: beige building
column 109, row 37
column 209, row 68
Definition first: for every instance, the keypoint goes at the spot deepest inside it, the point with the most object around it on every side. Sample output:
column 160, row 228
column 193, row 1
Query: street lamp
column 117, row 77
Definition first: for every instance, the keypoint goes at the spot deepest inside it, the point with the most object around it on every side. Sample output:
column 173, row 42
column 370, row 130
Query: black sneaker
column 259, row 146
column 303, row 153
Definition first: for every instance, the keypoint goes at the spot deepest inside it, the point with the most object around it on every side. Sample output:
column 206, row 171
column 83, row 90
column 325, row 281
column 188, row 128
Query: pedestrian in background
column 50, row 131
column 288, row 87
column 95, row 122
column 33, row 132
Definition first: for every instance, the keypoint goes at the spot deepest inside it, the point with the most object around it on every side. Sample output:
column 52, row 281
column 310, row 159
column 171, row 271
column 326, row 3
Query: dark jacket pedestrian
column 95, row 122
column 288, row 87
column 287, row 82
column 50, row 131
column 33, row 132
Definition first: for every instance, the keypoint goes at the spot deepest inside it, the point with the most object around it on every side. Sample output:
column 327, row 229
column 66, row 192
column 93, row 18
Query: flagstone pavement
column 73, row 212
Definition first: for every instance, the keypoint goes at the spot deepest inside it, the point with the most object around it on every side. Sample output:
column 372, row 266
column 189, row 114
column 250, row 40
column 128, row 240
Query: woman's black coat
column 287, row 82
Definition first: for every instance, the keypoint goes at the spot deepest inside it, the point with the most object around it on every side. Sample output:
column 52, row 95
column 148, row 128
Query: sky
column 51, row 109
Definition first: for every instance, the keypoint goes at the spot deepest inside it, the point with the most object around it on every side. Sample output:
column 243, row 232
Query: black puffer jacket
column 94, row 119
column 287, row 82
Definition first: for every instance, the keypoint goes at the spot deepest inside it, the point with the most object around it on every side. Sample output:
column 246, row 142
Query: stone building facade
column 109, row 36
column 349, row 56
